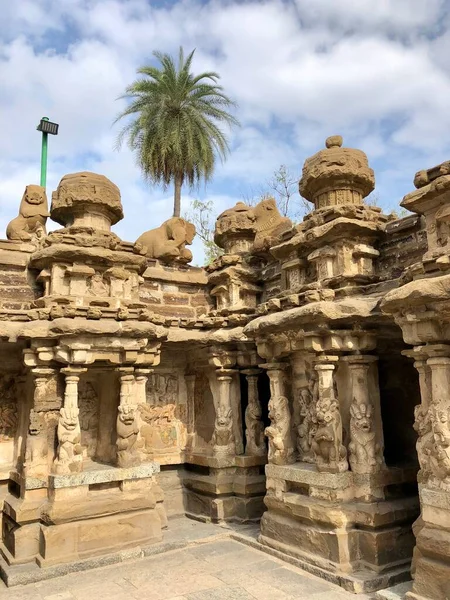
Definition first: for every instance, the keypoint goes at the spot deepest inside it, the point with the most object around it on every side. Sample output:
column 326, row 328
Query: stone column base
column 94, row 513
column 224, row 489
column 431, row 562
column 363, row 546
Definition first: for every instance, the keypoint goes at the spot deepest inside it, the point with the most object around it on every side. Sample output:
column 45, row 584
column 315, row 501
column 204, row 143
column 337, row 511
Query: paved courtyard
column 211, row 566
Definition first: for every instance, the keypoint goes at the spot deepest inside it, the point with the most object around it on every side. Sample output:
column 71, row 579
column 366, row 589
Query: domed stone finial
column 86, row 200
column 336, row 176
column 333, row 141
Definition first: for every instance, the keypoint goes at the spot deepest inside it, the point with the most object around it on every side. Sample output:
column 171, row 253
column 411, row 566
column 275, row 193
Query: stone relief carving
column 33, row 213
column 281, row 448
column 70, row 457
column 88, row 406
column 127, row 436
column 304, row 424
column 440, row 457
column 330, row 453
column 365, row 453
column 8, row 408
column 223, row 439
column 36, row 453
column 97, row 287
column 162, row 389
column 425, row 440
column 159, row 423
column 168, row 242
column 254, row 429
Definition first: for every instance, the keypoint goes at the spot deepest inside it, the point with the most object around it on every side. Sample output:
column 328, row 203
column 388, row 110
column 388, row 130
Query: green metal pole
column 44, row 157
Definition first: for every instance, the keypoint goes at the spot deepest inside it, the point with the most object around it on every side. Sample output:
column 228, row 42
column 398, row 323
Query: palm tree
column 175, row 131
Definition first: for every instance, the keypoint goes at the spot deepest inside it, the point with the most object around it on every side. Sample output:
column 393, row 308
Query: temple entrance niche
column 164, row 416
column 89, row 407
column 204, row 413
column 400, row 393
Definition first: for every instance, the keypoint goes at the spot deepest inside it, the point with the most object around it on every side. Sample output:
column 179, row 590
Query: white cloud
column 376, row 72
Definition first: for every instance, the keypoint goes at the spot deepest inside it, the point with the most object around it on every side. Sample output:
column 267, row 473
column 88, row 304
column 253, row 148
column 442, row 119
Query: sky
column 376, row 72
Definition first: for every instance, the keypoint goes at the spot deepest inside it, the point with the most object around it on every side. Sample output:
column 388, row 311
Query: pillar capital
column 225, row 374
column 72, row 371
column 251, row 372
column 274, row 366
column 359, row 359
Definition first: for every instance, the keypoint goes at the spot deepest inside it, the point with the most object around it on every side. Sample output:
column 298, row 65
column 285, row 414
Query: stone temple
column 301, row 380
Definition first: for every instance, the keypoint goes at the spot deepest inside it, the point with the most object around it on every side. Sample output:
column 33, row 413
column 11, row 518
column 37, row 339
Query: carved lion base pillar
column 431, row 564
column 325, row 516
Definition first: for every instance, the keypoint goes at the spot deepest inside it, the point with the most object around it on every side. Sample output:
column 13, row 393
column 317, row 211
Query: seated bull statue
column 33, row 213
column 168, row 242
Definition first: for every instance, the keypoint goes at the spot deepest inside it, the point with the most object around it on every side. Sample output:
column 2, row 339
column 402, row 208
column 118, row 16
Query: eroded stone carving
column 36, row 454
column 88, row 406
column 70, row 457
column 127, row 436
column 223, row 439
column 305, row 423
column 364, row 450
column 33, row 213
column 331, row 455
column 8, row 408
column 162, row 389
column 269, row 224
column 425, row 440
column 97, row 287
column 440, row 457
column 254, row 431
column 168, row 241
column 281, row 448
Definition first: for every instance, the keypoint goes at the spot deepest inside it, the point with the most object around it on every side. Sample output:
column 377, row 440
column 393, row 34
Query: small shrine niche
column 9, row 418
column 163, row 417
column 88, row 404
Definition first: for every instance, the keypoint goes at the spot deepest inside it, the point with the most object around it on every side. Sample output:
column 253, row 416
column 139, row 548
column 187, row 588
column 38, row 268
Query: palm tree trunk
column 177, row 196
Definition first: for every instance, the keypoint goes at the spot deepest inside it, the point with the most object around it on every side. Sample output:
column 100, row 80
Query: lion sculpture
column 32, row 216
column 168, row 241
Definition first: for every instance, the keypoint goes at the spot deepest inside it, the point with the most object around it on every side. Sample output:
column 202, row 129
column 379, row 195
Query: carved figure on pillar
column 36, row 454
column 127, row 436
column 331, row 455
column 254, row 427
column 70, row 457
column 364, row 450
column 223, row 439
column 440, row 458
column 281, row 448
column 425, row 441
column 70, row 452
column 305, row 425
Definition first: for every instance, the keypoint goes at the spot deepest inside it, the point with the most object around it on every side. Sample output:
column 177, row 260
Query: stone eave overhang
column 328, row 233
column 348, row 312
column 69, row 254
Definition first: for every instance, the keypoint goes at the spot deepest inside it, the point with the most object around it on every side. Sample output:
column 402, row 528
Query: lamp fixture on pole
column 46, row 127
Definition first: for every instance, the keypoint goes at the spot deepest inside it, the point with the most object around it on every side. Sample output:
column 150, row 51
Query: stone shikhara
column 300, row 379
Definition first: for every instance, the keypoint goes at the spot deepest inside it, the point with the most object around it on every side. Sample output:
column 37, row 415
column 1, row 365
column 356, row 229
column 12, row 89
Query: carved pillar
column 69, row 456
column 127, row 420
column 430, row 566
column 190, row 391
column 38, row 453
column 366, row 433
column 281, row 446
column 254, row 427
column 224, row 441
column 141, row 385
column 422, row 414
column 331, row 454
column 303, row 405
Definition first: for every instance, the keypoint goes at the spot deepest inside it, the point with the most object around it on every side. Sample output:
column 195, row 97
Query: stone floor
column 207, row 566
